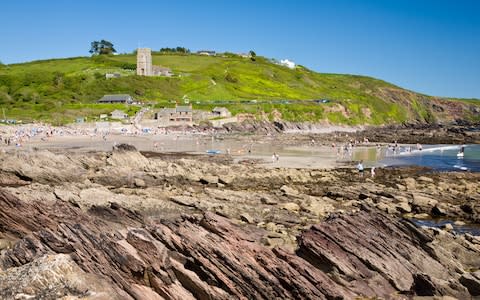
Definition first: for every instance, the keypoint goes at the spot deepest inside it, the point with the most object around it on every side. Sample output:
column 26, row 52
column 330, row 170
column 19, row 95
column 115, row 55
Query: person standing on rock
column 360, row 168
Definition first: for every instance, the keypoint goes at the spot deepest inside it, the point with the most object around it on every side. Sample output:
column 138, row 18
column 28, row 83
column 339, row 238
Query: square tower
column 144, row 62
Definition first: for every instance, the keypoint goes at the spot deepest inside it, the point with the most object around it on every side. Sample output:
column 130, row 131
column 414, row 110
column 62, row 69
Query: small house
column 180, row 115
column 118, row 114
column 112, row 75
column 221, row 112
column 162, row 71
column 206, row 52
column 118, row 98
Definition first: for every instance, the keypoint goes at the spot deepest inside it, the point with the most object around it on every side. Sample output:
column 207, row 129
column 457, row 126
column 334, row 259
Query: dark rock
column 125, row 147
column 471, row 282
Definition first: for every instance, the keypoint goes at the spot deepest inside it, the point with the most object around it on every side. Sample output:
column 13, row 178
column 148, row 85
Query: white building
column 287, row 63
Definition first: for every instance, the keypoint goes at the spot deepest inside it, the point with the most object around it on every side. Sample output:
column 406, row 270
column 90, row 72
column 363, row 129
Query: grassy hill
column 61, row 90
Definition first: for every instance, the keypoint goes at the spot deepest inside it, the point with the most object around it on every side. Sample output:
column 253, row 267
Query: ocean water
column 437, row 157
column 473, row 229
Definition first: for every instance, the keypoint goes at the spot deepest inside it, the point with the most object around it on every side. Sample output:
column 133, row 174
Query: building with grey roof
column 118, row 98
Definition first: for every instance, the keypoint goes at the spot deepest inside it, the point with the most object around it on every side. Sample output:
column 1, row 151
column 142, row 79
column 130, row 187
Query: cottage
column 118, row 114
column 206, row 52
column 119, row 98
column 221, row 112
column 180, row 115
column 112, row 75
column 161, row 71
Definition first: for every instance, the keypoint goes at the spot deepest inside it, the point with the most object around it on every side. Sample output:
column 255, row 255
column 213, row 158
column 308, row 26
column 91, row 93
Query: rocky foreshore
column 127, row 225
column 451, row 133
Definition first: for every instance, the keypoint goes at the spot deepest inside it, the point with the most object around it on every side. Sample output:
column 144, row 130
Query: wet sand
column 241, row 149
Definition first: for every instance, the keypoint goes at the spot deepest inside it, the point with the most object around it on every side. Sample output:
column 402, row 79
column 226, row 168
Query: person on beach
column 372, row 172
column 274, row 157
column 360, row 168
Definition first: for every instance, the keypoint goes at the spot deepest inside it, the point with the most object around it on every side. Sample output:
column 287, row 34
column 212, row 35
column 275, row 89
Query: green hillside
column 61, row 90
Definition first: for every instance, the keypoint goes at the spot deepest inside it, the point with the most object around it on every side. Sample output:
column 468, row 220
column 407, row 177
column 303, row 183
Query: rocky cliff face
column 130, row 227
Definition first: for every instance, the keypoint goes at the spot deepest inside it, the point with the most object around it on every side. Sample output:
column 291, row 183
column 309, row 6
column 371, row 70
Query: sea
column 436, row 157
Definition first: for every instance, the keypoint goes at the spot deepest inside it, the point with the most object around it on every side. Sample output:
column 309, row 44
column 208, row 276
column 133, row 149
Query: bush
column 230, row 78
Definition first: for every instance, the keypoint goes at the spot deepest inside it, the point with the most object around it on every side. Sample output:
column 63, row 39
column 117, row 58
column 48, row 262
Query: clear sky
column 429, row 46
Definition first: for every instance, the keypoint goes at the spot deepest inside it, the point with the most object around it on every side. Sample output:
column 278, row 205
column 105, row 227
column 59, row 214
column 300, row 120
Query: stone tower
column 144, row 62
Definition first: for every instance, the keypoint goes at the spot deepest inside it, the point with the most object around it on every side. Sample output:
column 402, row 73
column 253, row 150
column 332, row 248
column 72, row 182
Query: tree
column 102, row 47
column 253, row 55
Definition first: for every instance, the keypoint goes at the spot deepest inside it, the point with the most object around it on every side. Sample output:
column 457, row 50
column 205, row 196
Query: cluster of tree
column 102, row 47
column 253, row 55
column 175, row 50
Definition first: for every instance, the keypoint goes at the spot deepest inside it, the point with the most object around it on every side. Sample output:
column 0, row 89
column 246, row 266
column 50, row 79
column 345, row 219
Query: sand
column 242, row 149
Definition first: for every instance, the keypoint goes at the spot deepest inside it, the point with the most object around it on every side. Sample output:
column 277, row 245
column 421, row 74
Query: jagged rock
column 247, row 218
column 472, row 282
column 447, row 227
column 266, row 199
column 184, row 200
column 209, row 179
column 403, row 207
column 289, row 191
column 425, row 179
column 139, row 182
column 291, row 206
column 410, row 183
column 53, row 277
column 423, row 201
column 5, row 244
column 125, row 147
column 167, row 243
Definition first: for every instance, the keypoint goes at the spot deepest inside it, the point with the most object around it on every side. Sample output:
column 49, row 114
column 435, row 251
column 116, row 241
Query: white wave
column 432, row 149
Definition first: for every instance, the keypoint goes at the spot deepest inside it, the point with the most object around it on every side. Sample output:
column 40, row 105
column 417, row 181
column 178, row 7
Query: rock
column 439, row 211
column 459, row 223
column 403, row 207
column 386, row 207
column 421, row 216
column 472, row 282
column 425, row 179
column 55, row 276
column 291, row 206
column 125, row 147
column 5, row 244
column 319, row 207
column 447, row 227
column 268, row 200
column 139, row 182
column 184, row 200
column 270, row 226
column 226, row 178
column 410, row 183
column 209, row 179
column 66, row 195
column 247, row 218
column 423, row 285
column 423, row 201
column 289, row 191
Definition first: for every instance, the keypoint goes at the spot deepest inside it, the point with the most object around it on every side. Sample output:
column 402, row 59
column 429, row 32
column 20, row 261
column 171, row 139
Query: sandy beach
column 293, row 150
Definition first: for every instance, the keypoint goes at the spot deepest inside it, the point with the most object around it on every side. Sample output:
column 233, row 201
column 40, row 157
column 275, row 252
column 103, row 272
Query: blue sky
column 432, row 47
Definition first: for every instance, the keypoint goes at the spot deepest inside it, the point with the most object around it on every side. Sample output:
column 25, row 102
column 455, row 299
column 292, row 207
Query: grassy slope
column 62, row 89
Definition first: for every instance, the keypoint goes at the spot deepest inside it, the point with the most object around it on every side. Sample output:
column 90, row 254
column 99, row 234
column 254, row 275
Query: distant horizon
column 430, row 47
